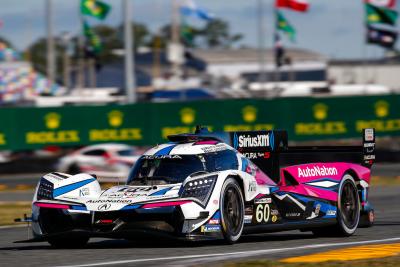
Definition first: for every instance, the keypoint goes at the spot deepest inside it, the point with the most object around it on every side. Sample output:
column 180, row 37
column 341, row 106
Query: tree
column 6, row 42
column 217, row 34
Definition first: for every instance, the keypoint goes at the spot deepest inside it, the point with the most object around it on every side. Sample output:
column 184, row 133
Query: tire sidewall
column 347, row 178
column 230, row 182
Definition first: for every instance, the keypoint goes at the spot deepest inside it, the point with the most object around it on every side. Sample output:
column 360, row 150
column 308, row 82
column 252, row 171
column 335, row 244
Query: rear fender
column 322, row 180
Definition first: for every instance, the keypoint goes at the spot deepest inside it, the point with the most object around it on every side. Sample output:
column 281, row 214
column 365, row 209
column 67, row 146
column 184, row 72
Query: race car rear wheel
column 348, row 212
column 70, row 242
column 232, row 210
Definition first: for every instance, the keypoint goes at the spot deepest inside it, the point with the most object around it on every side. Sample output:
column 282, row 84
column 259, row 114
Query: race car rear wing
column 270, row 151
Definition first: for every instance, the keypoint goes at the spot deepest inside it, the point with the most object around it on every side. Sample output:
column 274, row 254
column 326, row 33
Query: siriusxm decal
column 260, row 140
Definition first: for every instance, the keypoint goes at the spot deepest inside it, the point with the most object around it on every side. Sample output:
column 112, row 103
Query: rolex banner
column 305, row 119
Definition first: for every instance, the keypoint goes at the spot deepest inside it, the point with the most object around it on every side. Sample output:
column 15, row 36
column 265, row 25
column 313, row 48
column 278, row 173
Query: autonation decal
column 317, row 171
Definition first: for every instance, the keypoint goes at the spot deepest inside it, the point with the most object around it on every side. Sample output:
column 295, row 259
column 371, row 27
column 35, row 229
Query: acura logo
column 104, row 207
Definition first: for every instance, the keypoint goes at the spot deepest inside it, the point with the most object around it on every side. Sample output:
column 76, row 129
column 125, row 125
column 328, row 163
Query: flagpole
column 261, row 43
column 80, row 80
column 130, row 78
column 277, row 74
column 50, row 45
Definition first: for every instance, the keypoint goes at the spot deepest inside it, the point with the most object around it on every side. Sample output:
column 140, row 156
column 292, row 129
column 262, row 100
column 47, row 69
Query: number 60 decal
column 262, row 213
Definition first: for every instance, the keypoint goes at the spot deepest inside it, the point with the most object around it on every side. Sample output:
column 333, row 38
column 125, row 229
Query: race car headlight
column 200, row 188
column 45, row 190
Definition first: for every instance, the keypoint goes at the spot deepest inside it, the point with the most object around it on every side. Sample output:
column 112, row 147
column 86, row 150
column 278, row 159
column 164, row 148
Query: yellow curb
column 23, row 187
column 3, row 187
column 349, row 254
column 15, row 203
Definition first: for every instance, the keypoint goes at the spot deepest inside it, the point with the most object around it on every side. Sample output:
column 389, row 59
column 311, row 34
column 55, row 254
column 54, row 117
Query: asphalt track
column 103, row 252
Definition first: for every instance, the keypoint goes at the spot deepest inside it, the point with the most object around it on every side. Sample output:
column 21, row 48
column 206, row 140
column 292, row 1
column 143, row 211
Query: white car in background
column 109, row 162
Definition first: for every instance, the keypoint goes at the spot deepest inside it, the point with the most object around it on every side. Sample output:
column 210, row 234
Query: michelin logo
column 316, row 171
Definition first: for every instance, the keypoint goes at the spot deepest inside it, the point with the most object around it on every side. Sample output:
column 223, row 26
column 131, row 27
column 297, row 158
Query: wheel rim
column 232, row 210
column 349, row 207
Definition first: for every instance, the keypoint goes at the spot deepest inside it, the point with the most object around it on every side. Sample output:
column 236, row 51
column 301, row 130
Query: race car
column 213, row 186
column 109, row 162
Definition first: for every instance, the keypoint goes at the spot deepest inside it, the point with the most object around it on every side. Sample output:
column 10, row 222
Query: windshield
column 125, row 152
column 166, row 169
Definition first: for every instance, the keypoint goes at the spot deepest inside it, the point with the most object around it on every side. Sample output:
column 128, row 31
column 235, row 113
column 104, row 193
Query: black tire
column 76, row 242
column 348, row 212
column 232, row 211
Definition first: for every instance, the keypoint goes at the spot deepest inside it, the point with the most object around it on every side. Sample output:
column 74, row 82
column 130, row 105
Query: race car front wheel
column 348, row 210
column 232, row 210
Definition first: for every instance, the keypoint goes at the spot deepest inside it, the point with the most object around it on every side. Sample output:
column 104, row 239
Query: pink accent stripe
column 51, row 205
column 165, row 204
column 260, row 195
column 206, row 143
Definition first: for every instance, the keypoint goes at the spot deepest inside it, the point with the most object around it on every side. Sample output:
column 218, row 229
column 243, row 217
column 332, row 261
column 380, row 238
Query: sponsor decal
column 331, row 212
column 261, row 140
column 106, row 206
column 263, row 200
column 274, row 212
column 210, row 228
column 214, row 148
column 254, row 155
column 112, row 201
column 369, row 136
column 252, row 187
column 248, row 218
column 274, row 218
column 213, row 221
column 84, row 192
column 137, row 189
column 368, row 157
column 162, row 157
column 316, row 171
column 317, row 209
column 293, row 214
column 215, row 201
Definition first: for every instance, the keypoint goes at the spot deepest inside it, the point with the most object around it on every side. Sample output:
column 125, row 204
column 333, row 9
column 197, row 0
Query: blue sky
column 333, row 28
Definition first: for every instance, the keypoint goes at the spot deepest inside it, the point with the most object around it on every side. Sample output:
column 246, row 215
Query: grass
column 11, row 210
column 383, row 262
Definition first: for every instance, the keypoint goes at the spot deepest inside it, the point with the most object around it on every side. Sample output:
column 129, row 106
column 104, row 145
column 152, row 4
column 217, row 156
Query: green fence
column 150, row 123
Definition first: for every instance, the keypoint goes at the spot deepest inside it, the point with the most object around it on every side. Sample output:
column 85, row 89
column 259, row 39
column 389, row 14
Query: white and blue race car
column 198, row 186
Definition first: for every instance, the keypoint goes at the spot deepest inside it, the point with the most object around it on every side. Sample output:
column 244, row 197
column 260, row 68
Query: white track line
column 238, row 254
column 12, row 226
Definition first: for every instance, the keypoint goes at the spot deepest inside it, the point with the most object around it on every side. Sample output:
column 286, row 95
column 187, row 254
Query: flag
column 93, row 39
column 95, row 8
column 382, row 15
column 282, row 24
column 381, row 37
column 296, row 5
column 382, row 3
column 279, row 51
column 190, row 9
column 187, row 33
